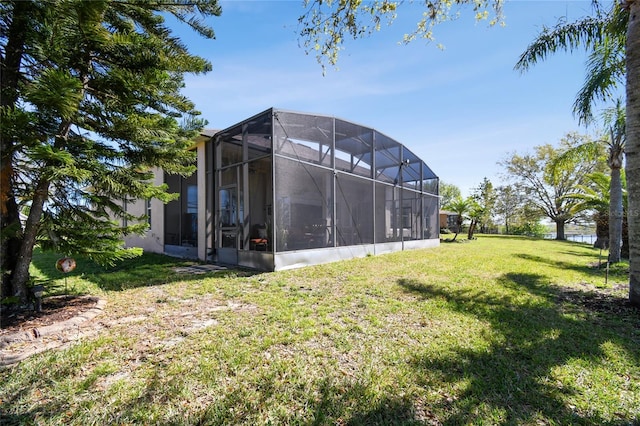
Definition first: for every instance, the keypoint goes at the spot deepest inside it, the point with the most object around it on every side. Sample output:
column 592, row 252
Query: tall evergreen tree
column 91, row 103
column 508, row 202
column 515, row 209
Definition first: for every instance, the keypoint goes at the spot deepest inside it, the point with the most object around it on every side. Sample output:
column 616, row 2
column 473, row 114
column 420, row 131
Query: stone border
column 36, row 334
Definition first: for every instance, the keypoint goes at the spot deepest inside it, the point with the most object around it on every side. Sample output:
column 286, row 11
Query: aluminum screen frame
column 334, row 186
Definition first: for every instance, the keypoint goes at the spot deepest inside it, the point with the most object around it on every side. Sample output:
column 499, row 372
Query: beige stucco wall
column 153, row 240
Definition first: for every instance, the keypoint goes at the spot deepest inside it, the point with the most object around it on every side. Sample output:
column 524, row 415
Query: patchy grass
column 89, row 277
column 496, row 331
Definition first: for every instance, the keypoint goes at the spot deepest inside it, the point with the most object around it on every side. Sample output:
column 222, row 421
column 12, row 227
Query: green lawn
column 494, row 331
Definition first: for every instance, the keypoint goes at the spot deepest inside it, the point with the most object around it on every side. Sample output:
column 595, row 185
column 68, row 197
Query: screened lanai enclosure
column 290, row 189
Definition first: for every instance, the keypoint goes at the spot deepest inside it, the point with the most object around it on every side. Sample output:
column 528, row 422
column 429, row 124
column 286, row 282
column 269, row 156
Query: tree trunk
column 472, row 229
column 459, row 220
column 11, row 231
column 633, row 146
column 624, row 250
column 560, row 230
column 20, row 276
column 10, row 226
column 615, row 216
column 602, row 230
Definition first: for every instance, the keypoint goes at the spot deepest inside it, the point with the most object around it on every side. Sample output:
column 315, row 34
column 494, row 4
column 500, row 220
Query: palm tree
column 460, row 207
column 616, row 144
column 604, row 73
column 621, row 23
column 633, row 147
column 476, row 214
column 605, row 36
column 595, row 196
column 614, row 119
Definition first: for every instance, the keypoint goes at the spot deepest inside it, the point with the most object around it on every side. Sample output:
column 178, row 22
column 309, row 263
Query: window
column 148, row 209
column 181, row 215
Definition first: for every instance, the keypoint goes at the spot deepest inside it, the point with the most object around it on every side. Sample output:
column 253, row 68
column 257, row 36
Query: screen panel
column 304, row 209
column 354, row 210
column 387, row 208
column 258, row 136
column 387, row 159
column 304, row 137
column 353, row 148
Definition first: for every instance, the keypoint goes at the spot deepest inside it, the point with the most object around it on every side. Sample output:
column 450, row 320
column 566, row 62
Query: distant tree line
column 565, row 184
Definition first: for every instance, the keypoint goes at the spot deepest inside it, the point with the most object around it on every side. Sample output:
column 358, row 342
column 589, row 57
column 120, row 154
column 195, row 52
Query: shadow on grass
column 556, row 263
column 592, row 254
column 146, row 270
column 334, row 401
column 336, row 404
column 515, row 374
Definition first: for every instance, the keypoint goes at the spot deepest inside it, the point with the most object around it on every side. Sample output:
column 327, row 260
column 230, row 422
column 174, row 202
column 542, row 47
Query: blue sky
column 461, row 109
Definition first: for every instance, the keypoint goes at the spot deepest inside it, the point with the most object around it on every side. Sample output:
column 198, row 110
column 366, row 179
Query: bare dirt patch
column 54, row 310
column 598, row 301
column 158, row 320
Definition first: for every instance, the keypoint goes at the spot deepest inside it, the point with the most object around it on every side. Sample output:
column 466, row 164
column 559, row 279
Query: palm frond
column 584, row 33
column 605, row 71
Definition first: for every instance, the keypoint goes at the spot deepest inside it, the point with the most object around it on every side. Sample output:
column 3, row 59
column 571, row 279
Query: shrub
column 530, row 229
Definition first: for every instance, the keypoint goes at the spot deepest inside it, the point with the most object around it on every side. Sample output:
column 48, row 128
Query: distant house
column 286, row 189
column 449, row 220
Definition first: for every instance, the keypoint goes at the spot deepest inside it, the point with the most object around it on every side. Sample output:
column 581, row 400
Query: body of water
column 579, row 238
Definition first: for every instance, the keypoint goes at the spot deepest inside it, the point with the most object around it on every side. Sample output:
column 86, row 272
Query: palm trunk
column 458, row 226
column 633, row 146
column 472, row 229
column 615, row 216
column 602, row 230
column 624, row 250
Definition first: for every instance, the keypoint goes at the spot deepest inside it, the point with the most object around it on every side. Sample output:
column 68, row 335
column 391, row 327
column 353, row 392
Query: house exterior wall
column 449, row 220
column 153, row 240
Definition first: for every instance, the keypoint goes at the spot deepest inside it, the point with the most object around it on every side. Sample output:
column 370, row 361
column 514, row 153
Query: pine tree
column 92, row 106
